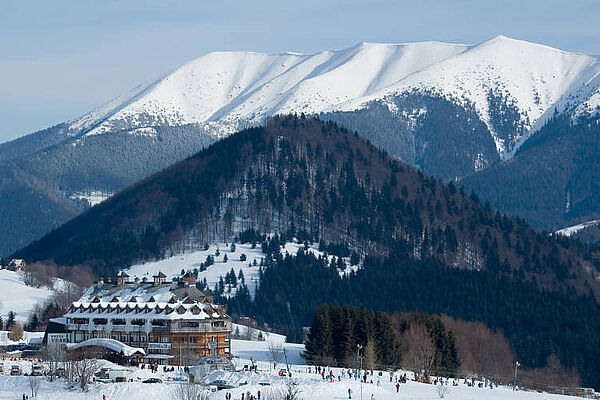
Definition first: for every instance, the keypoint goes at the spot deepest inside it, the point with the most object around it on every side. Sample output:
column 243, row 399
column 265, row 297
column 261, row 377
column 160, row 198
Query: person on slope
column 349, row 393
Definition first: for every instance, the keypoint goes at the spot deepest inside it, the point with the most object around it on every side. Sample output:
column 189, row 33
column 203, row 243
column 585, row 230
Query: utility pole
column 517, row 365
column 287, row 365
column 360, row 359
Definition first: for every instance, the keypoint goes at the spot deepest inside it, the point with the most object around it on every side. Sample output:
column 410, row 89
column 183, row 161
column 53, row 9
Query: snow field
column 16, row 296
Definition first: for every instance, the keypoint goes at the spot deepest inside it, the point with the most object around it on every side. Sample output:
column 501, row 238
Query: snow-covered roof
column 162, row 310
column 144, row 301
column 111, row 344
column 159, row 356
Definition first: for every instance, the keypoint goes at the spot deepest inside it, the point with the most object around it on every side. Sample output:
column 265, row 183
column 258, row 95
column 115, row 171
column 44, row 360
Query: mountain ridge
column 449, row 109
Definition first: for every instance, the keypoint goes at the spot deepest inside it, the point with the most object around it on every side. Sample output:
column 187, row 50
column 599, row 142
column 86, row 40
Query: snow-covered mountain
column 450, row 109
column 230, row 89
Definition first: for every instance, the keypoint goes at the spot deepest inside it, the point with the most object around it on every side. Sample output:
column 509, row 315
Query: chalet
column 171, row 322
column 16, row 264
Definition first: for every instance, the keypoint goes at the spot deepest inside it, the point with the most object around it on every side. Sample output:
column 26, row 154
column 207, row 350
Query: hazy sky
column 59, row 59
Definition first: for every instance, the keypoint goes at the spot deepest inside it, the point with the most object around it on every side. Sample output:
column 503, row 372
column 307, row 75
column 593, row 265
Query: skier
column 349, row 393
column 258, row 395
column 397, row 387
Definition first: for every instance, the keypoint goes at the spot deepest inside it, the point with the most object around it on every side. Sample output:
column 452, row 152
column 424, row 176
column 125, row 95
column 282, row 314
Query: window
column 118, row 321
column 100, row 321
column 142, row 338
column 190, row 339
column 80, row 321
column 138, row 322
column 159, row 322
column 217, row 324
column 189, row 324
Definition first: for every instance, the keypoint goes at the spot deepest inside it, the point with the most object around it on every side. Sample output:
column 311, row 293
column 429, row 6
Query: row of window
column 142, row 322
column 118, row 321
column 124, row 337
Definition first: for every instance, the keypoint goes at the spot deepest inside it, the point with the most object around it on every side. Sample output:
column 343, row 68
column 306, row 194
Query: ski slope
column 16, row 296
column 228, row 90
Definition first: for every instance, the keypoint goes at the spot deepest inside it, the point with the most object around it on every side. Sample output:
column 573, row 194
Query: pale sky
column 59, row 59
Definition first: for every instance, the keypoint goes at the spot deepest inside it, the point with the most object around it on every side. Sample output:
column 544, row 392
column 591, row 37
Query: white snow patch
column 93, row 197
column 571, row 230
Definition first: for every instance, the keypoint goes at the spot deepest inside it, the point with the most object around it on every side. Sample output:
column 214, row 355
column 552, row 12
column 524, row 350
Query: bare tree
column 419, row 351
column 275, row 353
column 34, row 385
column 56, row 354
column 84, row 370
column 248, row 333
column 67, row 294
column 441, row 390
column 189, row 391
column 16, row 332
column 292, row 390
column 370, row 356
column 273, row 393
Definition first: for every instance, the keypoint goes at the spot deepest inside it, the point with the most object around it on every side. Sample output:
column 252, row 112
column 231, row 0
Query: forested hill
column 315, row 180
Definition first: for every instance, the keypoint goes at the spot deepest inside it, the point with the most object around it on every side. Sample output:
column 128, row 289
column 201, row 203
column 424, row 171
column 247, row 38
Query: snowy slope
column 571, row 230
column 227, row 90
column 18, row 297
column 172, row 266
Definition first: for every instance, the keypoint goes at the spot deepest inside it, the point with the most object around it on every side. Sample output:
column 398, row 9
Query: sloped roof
column 110, row 344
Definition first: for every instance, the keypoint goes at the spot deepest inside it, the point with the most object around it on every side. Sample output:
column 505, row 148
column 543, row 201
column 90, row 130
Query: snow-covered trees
column 84, row 370
column 275, row 353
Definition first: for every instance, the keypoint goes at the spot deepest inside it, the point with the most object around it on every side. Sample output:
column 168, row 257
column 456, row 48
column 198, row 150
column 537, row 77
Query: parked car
column 36, row 369
column 15, row 370
column 221, row 384
column 152, row 380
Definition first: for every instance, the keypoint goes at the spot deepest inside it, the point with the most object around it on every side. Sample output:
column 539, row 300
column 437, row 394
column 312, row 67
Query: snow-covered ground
column 571, row 230
column 16, row 296
column 311, row 385
column 93, row 197
column 172, row 266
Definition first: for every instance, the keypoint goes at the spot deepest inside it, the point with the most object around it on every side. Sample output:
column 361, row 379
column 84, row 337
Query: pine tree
column 233, row 278
column 241, row 277
column 33, row 323
column 320, row 342
column 10, row 321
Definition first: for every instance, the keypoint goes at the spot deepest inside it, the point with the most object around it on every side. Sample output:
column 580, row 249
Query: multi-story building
column 173, row 322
